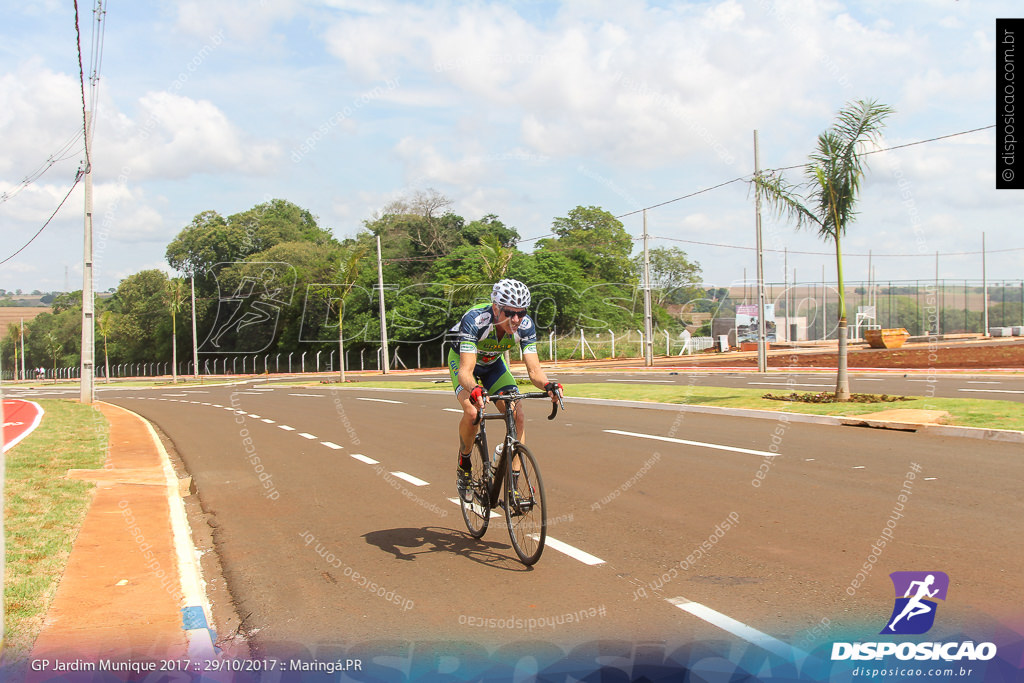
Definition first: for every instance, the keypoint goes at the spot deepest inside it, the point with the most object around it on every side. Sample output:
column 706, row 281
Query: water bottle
column 497, row 453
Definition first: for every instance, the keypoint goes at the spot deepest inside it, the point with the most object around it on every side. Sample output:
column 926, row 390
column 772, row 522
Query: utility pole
column 785, row 287
column 762, row 354
column 648, row 324
column 984, row 287
column 195, row 343
column 88, row 311
column 383, row 322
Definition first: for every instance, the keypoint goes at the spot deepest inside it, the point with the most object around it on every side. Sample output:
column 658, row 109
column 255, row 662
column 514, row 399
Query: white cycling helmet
column 510, row 292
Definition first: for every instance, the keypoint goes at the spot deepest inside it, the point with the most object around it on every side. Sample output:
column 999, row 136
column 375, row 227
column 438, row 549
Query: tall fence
column 578, row 346
column 922, row 307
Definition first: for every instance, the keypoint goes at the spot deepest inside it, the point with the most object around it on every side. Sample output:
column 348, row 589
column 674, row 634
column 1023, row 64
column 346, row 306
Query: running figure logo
column 914, row 612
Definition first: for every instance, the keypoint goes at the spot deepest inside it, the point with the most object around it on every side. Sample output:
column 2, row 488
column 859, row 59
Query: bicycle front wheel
column 525, row 510
column 476, row 511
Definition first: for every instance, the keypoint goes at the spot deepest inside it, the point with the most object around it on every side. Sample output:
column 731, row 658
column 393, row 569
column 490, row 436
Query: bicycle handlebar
column 516, row 396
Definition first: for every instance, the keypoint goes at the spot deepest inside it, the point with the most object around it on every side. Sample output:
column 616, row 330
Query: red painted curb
column 20, row 418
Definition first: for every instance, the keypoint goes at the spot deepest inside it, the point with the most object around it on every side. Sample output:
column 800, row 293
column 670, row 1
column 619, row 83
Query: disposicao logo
column 914, row 612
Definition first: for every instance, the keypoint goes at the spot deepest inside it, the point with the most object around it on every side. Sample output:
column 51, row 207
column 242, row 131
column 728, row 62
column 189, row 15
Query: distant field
column 15, row 314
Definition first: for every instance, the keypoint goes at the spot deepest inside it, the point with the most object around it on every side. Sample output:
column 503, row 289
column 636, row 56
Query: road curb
column 1005, row 435
column 196, row 615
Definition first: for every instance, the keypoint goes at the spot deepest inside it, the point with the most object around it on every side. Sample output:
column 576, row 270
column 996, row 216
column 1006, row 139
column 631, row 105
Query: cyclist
column 479, row 339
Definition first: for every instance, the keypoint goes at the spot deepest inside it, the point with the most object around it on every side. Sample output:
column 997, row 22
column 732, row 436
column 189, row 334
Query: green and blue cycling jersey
column 477, row 333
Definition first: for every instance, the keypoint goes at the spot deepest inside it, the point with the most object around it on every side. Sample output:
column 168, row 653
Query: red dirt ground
column 962, row 355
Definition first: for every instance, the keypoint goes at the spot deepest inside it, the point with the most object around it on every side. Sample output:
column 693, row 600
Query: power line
column 81, row 81
column 66, row 151
column 692, row 194
column 78, row 177
column 789, row 168
column 832, row 253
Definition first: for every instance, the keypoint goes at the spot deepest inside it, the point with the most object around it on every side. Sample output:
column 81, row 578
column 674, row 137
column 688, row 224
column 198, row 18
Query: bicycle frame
column 497, row 473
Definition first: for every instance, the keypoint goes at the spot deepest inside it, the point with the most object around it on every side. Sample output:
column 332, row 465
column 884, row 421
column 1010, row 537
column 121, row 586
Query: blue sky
column 524, row 109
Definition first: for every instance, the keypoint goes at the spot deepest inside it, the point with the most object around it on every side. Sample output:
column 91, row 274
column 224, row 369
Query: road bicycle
column 509, row 479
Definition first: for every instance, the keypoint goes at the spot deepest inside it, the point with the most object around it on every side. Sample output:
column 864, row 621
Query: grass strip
column 43, row 512
column 964, row 412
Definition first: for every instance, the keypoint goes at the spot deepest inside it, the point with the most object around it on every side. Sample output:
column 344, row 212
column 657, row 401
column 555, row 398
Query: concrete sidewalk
column 131, row 589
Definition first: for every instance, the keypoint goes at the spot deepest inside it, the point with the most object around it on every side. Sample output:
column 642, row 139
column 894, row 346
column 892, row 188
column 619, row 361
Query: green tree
column 673, row 275
column 597, row 241
column 141, row 327
column 832, row 185
column 335, row 294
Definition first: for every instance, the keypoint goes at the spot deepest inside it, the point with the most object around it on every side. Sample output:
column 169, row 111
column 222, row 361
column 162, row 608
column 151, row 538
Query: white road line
column 362, row 458
column 254, row 416
column 978, row 381
column 859, row 467
column 649, row 381
column 415, row 481
column 930, row 478
column 308, row 395
column 332, row 445
column 377, row 400
column 994, row 391
column 286, row 428
column 267, row 420
column 451, row 410
column 571, row 551
column 764, row 454
column 791, row 384
column 197, row 391
column 737, row 628
column 306, row 435
column 173, row 394
column 458, row 502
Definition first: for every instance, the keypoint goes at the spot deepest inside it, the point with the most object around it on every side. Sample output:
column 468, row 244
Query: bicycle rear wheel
column 525, row 511
column 477, row 511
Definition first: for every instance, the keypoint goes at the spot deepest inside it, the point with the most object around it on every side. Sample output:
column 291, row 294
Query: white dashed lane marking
column 362, row 458
column 331, row 445
column 307, row 435
column 415, row 481
column 377, row 400
column 737, row 628
column 763, row 454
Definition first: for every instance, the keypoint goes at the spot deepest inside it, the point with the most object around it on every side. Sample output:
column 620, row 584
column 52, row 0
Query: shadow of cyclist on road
column 435, row 539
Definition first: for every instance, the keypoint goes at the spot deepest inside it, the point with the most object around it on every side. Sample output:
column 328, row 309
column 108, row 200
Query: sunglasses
column 509, row 313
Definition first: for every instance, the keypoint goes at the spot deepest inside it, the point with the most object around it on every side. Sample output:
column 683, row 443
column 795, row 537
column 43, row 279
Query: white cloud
column 175, row 137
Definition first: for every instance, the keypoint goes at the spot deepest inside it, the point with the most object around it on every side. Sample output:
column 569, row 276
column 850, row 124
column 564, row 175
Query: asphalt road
column 332, row 517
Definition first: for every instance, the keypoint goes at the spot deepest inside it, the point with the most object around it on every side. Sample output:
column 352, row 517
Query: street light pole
column 88, row 302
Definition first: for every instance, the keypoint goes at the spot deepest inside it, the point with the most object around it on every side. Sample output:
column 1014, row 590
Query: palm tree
column 348, row 271
column 175, row 301
column 13, row 331
column 496, row 260
column 103, row 324
column 833, row 177
column 53, row 347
